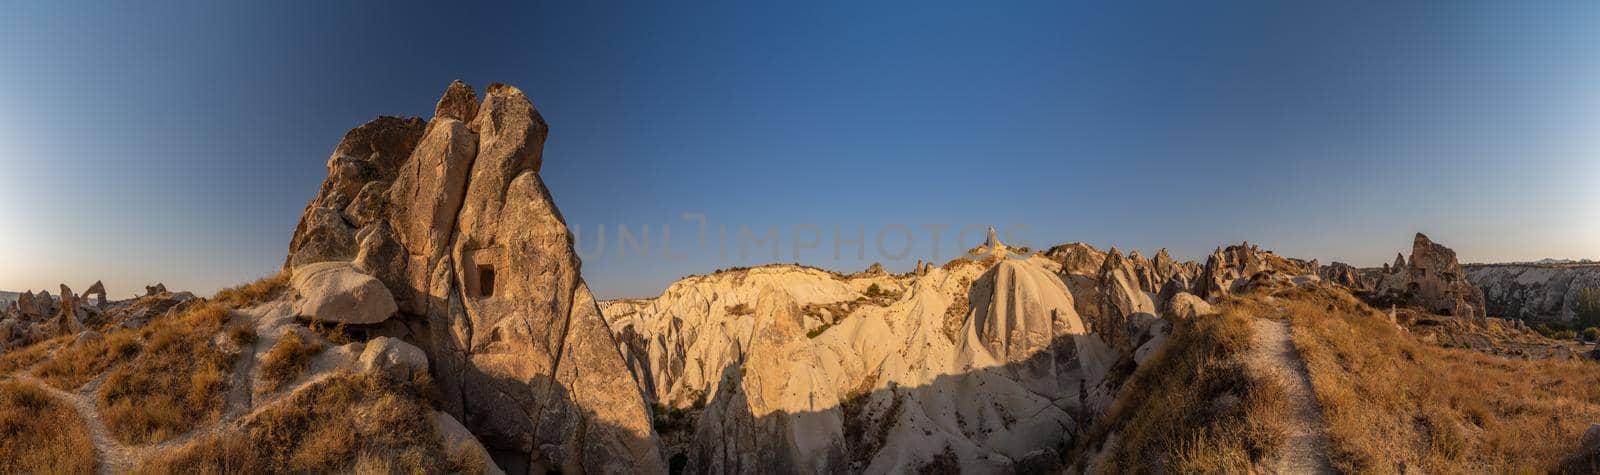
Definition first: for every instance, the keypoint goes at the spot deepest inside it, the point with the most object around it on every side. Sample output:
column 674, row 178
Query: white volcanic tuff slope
column 701, row 324
column 1536, row 291
column 887, row 388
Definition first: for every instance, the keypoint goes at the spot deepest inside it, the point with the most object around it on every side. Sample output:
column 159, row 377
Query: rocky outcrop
column 1166, row 268
column 1556, row 293
column 370, row 153
column 1077, row 258
column 98, row 290
column 336, row 292
column 35, row 317
column 1435, row 281
column 1145, row 271
column 1586, row 459
column 1343, row 274
column 1184, row 306
column 1243, row 266
column 27, row 306
column 69, row 318
column 451, row 218
column 392, row 358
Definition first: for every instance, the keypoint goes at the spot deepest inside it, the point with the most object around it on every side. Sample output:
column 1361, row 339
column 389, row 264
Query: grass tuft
column 289, row 357
column 41, row 434
column 254, row 293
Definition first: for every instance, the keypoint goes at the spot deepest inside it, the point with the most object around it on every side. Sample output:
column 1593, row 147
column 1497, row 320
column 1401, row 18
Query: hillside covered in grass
column 1395, row 404
column 229, row 384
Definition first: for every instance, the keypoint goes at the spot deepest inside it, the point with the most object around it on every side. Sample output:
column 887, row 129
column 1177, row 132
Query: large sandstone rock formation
column 1434, row 280
column 982, row 366
column 450, row 215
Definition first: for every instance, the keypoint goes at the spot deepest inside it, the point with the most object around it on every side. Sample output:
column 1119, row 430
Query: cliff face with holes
column 450, row 215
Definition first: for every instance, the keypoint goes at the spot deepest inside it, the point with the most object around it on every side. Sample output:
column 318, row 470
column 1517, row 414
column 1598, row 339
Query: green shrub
column 1591, row 334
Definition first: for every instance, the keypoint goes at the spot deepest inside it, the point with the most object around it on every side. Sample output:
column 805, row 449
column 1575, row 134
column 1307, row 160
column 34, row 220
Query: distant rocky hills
column 1567, row 293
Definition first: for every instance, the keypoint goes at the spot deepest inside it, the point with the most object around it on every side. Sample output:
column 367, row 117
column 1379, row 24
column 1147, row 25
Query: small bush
column 289, row 357
column 1591, row 334
column 740, row 309
column 253, row 293
column 40, row 434
column 242, row 334
column 874, row 291
column 815, row 332
column 334, row 333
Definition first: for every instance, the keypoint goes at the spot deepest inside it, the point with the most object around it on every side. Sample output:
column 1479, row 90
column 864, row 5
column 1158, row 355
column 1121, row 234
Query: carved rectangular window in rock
column 485, row 281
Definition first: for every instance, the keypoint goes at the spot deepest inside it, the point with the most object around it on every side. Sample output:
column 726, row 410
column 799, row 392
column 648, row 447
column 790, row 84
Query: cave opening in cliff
column 486, row 281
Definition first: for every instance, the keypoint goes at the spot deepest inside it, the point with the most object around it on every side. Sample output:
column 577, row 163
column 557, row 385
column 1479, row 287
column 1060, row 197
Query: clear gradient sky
column 179, row 142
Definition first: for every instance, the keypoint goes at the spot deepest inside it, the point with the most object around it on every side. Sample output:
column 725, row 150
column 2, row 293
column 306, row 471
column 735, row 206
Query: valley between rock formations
column 431, row 316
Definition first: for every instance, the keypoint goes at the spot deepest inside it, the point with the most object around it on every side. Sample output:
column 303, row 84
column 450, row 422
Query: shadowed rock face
column 452, row 217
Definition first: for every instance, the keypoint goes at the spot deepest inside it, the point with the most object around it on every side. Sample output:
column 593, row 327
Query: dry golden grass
column 289, row 357
column 1194, row 407
column 40, row 434
column 79, row 362
column 223, row 453
column 253, row 293
column 174, row 385
column 347, row 423
column 25, row 357
column 1394, row 403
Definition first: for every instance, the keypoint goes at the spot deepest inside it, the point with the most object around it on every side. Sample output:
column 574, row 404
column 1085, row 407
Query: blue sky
column 179, row 142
